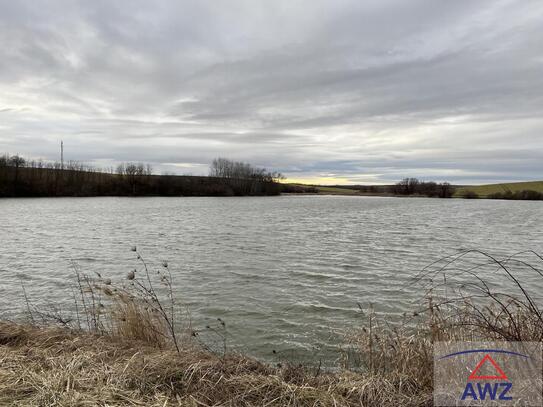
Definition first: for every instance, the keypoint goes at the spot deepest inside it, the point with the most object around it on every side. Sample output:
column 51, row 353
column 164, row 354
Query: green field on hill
column 485, row 190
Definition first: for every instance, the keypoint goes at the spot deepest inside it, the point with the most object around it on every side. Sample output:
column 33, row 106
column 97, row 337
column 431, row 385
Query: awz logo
column 476, row 390
column 484, row 374
column 494, row 386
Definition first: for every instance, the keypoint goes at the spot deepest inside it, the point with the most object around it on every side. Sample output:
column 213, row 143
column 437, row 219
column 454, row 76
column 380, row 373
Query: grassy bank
column 382, row 190
column 46, row 367
column 124, row 345
column 484, row 191
column 516, row 190
column 318, row 189
column 407, row 187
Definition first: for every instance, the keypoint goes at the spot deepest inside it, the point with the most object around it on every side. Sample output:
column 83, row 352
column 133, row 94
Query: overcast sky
column 325, row 91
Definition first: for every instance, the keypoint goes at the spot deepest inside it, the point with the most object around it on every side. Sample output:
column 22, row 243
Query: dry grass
column 126, row 355
column 134, row 322
column 53, row 367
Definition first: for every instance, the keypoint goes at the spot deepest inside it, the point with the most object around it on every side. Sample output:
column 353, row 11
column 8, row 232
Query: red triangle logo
column 475, row 374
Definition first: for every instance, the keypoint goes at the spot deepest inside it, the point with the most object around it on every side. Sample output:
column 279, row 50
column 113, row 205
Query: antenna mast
column 61, row 154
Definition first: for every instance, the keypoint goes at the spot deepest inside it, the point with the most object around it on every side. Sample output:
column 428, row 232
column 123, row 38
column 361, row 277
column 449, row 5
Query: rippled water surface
column 285, row 273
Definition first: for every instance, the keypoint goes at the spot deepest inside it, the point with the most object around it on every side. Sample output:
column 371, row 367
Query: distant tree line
column 407, row 186
column 413, row 186
column 21, row 177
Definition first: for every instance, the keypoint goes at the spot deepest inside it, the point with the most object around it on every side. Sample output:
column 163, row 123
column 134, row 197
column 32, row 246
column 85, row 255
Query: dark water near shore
column 285, row 273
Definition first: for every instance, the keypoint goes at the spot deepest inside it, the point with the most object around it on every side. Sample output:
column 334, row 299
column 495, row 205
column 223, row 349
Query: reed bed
column 127, row 344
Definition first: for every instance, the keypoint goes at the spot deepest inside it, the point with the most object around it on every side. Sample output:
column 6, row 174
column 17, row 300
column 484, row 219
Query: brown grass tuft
column 46, row 367
column 132, row 320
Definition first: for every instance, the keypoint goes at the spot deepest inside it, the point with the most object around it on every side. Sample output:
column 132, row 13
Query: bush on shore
column 298, row 189
column 523, row 195
column 469, row 194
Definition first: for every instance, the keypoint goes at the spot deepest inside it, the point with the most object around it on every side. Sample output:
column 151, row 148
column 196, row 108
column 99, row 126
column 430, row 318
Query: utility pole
column 61, row 154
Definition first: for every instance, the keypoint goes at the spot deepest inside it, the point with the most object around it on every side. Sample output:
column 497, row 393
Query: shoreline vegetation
column 20, row 177
column 412, row 187
column 23, row 178
column 128, row 342
column 406, row 187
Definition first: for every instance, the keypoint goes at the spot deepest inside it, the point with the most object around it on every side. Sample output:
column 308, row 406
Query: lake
column 285, row 273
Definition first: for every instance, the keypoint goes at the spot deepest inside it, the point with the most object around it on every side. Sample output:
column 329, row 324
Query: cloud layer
column 329, row 91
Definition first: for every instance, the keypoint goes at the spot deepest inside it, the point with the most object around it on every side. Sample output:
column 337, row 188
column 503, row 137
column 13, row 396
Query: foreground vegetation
column 126, row 344
column 20, row 177
column 51, row 367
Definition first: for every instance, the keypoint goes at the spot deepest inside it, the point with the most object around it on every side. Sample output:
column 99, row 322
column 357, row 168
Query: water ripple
column 285, row 273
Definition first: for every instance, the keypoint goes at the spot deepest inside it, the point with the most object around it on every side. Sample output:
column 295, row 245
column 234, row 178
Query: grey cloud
column 368, row 90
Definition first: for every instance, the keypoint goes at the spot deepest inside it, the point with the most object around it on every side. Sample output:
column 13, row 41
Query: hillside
column 484, row 190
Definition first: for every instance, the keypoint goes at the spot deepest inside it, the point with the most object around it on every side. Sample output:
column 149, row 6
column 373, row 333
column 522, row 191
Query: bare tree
column 224, row 168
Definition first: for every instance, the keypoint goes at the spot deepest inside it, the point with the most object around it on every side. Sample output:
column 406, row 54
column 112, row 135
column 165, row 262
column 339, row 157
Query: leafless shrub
column 470, row 296
column 142, row 307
